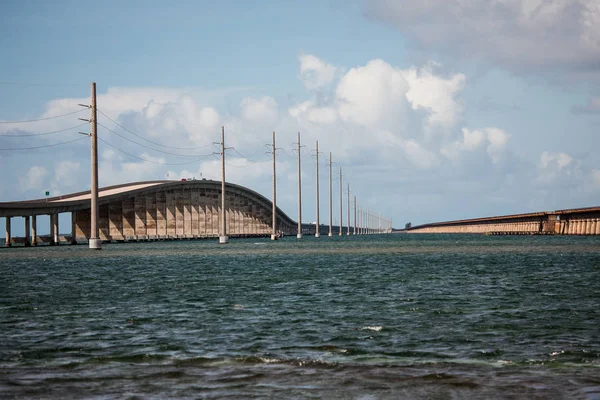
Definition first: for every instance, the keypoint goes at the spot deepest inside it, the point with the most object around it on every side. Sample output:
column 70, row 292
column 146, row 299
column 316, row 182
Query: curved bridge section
column 578, row 221
column 156, row 210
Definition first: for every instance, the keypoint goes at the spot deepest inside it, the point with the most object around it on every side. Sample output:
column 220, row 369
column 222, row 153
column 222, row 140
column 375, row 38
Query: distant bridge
column 578, row 221
column 157, row 210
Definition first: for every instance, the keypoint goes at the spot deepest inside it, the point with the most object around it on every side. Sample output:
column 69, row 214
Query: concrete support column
column 34, row 230
column 589, row 227
column 594, row 226
column 569, row 227
column 8, row 232
column 578, row 227
column 54, row 223
column 597, row 226
column 74, row 227
column 27, row 232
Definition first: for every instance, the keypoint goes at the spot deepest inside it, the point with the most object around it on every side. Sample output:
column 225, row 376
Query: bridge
column 577, row 221
column 157, row 210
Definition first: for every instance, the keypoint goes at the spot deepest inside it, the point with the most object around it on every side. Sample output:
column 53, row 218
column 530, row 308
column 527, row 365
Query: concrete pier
column 8, row 237
column 34, row 230
column 27, row 232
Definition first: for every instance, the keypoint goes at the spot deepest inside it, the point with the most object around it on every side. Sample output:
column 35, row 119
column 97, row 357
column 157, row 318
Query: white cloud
column 532, row 35
column 555, row 160
column 373, row 95
column 35, row 178
column 66, row 174
column 473, row 140
column 397, row 132
column 436, row 95
column 262, row 111
column 315, row 73
column 497, row 139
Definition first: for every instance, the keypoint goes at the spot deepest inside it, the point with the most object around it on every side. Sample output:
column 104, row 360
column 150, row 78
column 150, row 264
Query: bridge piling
column 8, row 241
column 34, row 230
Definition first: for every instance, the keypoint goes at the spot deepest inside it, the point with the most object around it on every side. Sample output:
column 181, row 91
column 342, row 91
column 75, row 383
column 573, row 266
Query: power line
column 148, row 147
column 249, row 158
column 150, row 141
column 41, row 119
column 42, row 134
column 42, row 147
column 150, row 161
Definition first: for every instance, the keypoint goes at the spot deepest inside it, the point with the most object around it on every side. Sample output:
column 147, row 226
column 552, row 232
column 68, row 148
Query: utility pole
column 299, row 236
column 223, row 237
column 348, row 231
column 95, row 242
column 355, row 215
column 330, row 199
column 274, row 233
column 341, row 201
column 317, row 234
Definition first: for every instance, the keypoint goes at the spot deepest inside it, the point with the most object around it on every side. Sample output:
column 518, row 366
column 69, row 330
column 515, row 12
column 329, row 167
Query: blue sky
column 437, row 110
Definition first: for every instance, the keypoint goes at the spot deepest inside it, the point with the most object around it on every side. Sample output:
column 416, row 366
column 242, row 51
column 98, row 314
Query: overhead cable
column 151, row 161
column 148, row 147
column 41, row 119
column 42, row 147
column 44, row 133
column 150, row 141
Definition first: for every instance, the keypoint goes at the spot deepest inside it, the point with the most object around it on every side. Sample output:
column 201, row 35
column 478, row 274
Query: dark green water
column 388, row 316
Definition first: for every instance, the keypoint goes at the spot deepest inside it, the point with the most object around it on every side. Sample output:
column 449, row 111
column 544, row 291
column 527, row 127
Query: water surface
column 382, row 316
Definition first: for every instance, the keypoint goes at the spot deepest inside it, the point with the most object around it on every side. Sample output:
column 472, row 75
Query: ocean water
column 370, row 317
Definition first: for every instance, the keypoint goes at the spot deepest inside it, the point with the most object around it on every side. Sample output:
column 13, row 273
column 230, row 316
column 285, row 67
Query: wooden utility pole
column 330, row 198
column 341, row 201
column 299, row 235
column 274, row 233
column 317, row 226
column 95, row 242
column 223, row 237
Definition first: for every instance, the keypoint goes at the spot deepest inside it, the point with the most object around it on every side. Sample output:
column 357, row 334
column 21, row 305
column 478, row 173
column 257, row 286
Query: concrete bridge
column 578, row 221
column 156, row 210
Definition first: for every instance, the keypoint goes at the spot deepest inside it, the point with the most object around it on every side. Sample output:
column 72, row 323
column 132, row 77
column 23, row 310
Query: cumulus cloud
column 437, row 95
column 521, row 35
column 315, row 73
column 493, row 140
column 398, row 133
column 35, row 178
column 262, row 111
column 497, row 139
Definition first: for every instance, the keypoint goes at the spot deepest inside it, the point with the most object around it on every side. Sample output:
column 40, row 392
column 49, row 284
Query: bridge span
column 156, row 210
column 578, row 221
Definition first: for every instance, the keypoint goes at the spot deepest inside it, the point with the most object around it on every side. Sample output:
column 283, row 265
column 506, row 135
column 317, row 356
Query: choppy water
column 390, row 316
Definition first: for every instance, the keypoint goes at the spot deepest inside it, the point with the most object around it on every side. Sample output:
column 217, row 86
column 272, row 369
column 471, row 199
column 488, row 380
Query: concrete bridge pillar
column 597, row 226
column 594, row 224
column 570, row 227
column 578, row 227
column 27, row 232
column 54, row 229
column 74, row 227
column 590, row 227
column 8, row 232
column 34, row 230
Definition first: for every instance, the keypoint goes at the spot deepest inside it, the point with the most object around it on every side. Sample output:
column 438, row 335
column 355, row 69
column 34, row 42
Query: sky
column 434, row 110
